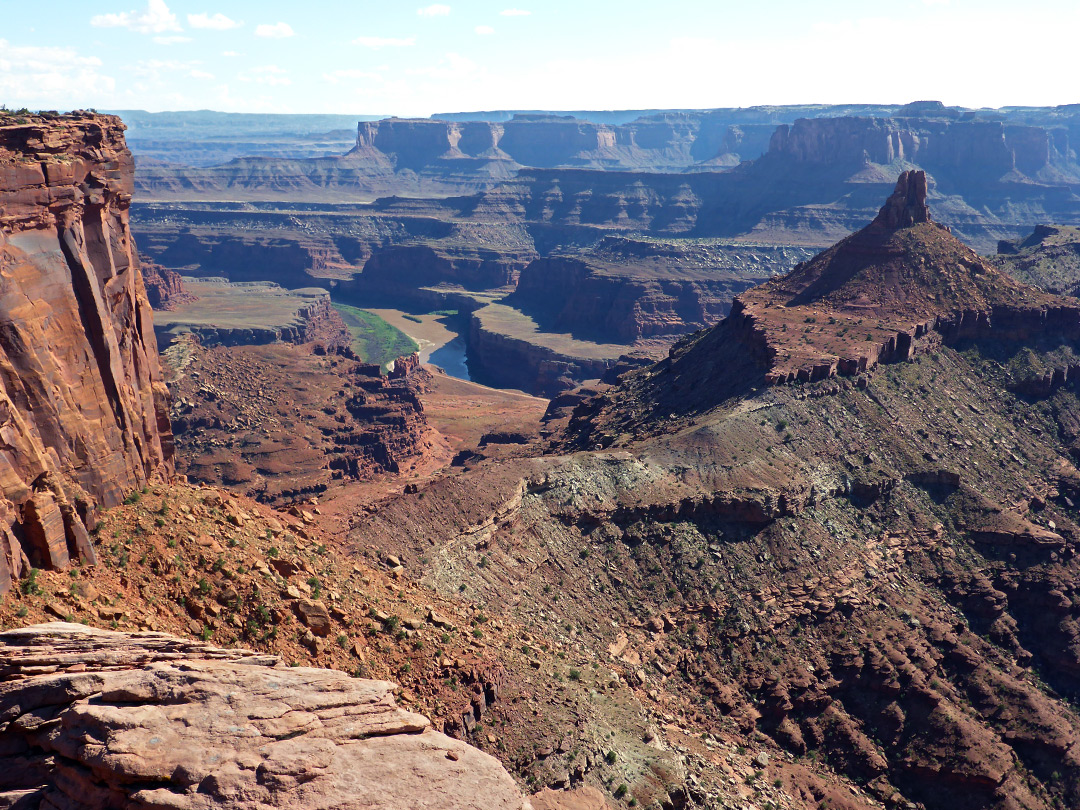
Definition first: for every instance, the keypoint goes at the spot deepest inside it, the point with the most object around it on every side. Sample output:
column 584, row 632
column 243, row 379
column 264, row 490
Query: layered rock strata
column 94, row 719
column 83, row 411
column 164, row 287
column 222, row 313
column 506, row 348
column 625, row 290
column 897, row 287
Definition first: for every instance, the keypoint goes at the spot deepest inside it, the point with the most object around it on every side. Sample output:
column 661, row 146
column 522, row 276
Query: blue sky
column 417, row 58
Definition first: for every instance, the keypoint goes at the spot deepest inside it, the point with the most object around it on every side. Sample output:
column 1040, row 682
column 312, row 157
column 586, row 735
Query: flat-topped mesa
column 83, row 409
column 907, row 205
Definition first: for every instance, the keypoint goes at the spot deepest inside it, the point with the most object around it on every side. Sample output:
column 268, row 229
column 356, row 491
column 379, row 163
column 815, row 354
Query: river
column 439, row 341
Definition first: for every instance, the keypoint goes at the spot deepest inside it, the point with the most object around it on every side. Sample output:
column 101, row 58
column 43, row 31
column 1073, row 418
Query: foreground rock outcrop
column 95, row 719
column 83, row 411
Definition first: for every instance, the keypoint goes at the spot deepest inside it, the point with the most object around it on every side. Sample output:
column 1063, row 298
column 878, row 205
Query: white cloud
column 514, row 12
column 200, row 74
column 58, row 77
column 384, row 42
column 155, row 20
column 484, row 30
column 215, row 22
column 173, row 39
column 276, row 31
column 230, row 53
column 154, row 68
column 434, row 10
column 270, row 75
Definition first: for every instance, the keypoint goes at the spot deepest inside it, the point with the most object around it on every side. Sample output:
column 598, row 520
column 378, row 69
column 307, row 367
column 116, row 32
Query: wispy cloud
column 385, row 42
column 515, row 12
column 159, row 69
column 230, row 53
column 434, row 10
column 484, row 30
column 172, row 39
column 279, row 30
column 157, row 19
column 59, row 76
column 214, row 22
column 270, row 75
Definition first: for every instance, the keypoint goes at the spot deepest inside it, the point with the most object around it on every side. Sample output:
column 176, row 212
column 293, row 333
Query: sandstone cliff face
column 423, row 266
column 624, row 290
column 83, row 411
column 164, row 287
column 99, row 719
column 981, row 151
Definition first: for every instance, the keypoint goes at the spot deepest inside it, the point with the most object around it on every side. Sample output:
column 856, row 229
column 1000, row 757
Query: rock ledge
column 92, row 718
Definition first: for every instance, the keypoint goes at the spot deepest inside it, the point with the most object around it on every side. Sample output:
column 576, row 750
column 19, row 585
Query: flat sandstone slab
column 153, row 721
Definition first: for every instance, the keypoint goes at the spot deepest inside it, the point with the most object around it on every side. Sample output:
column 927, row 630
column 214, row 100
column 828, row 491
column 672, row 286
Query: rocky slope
column 871, row 576
column 1048, row 258
column 85, row 410
column 884, row 293
column 283, row 422
column 199, row 562
column 97, row 718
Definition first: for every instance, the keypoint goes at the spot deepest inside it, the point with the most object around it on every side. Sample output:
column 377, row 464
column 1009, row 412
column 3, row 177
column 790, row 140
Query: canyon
column 87, row 431
column 906, row 525
column 798, row 527
column 455, row 212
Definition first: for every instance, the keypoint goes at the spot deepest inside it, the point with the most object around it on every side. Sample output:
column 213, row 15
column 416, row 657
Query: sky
column 373, row 57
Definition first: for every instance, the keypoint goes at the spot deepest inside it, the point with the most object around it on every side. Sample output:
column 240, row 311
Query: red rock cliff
column 83, row 410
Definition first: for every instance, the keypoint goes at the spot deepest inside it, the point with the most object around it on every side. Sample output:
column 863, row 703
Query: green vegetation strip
column 373, row 338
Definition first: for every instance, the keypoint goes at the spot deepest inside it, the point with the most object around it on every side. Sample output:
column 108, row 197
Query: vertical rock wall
column 83, row 410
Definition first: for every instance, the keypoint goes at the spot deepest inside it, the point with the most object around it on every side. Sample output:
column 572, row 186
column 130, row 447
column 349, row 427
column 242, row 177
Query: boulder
column 314, row 616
